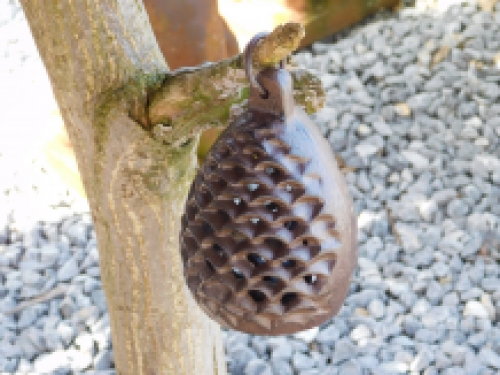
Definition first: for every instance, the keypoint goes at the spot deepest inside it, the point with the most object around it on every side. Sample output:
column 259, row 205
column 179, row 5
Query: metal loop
column 248, row 62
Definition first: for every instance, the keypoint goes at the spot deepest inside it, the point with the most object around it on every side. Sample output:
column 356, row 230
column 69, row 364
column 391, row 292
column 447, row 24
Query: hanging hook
column 248, row 63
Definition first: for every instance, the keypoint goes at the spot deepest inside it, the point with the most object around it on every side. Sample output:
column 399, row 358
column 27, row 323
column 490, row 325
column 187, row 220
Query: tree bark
column 105, row 67
column 102, row 57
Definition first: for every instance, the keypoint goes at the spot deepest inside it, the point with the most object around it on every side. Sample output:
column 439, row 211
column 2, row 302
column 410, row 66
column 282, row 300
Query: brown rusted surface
column 268, row 238
column 320, row 17
column 190, row 32
column 325, row 17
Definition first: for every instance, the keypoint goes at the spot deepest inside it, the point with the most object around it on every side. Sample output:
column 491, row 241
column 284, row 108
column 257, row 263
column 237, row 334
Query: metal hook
column 248, row 63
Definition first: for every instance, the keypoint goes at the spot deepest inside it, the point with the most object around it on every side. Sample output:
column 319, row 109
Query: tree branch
column 278, row 45
column 192, row 100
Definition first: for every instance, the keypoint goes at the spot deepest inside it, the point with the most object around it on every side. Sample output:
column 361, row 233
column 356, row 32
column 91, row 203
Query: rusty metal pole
column 190, row 32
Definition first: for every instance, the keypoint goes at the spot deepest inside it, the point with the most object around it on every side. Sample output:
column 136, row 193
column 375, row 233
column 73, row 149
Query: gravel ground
column 413, row 109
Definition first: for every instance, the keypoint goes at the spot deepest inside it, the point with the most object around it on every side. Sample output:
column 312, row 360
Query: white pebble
column 476, row 309
column 68, row 270
column 417, row 160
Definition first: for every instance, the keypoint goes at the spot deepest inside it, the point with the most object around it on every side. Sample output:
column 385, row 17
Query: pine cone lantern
column 268, row 237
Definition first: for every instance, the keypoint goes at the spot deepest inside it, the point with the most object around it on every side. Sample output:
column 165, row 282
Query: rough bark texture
column 101, row 57
column 192, row 101
column 104, row 65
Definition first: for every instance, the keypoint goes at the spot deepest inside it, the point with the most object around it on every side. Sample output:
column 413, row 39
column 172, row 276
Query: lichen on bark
column 191, row 100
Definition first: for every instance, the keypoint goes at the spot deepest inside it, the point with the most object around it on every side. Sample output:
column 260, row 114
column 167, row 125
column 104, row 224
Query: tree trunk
column 102, row 58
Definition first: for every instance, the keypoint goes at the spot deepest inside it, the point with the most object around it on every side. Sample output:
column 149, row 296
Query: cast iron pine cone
column 268, row 237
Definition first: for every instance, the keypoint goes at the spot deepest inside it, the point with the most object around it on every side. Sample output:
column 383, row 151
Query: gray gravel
column 412, row 109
